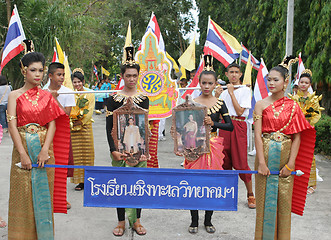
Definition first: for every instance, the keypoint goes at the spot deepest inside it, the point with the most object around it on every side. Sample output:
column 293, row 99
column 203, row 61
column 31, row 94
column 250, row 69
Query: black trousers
column 121, row 213
column 195, row 218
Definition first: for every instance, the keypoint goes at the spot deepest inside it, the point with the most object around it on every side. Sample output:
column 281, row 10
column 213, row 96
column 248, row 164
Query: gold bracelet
column 289, row 168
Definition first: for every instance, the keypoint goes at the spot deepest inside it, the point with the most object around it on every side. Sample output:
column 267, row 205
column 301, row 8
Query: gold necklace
column 33, row 102
column 276, row 114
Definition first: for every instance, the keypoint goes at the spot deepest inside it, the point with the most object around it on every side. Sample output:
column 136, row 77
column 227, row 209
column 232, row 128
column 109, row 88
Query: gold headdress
column 28, row 46
column 78, row 70
column 307, row 71
column 287, row 62
column 128, row 58
column 208, row 63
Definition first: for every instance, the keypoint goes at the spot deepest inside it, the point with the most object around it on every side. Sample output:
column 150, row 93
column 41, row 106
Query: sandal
column 311, row 190
column 142, row 229
column 120, row 231
column 79, row 187
column 3, row 224
column 251, row 202
column 193, row 230
column 210, row 229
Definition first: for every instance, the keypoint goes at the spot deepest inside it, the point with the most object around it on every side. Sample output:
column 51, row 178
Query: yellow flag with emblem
column 187, row 60
column 104, row 71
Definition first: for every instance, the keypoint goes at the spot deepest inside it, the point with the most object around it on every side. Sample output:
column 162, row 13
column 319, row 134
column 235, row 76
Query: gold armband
column 256, row 117
column 10, row 117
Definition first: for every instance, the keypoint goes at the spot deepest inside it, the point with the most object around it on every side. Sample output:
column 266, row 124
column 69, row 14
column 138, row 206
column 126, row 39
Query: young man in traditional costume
column 129, row 73
column 66, row 102
column 238, row 102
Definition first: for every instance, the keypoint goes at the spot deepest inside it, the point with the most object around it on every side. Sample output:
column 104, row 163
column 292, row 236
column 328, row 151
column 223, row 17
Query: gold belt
column 276, row 136
column 31, row 128
column 237, row 119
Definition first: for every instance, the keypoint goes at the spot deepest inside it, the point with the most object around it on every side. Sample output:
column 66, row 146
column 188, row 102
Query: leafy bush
column 323, row 132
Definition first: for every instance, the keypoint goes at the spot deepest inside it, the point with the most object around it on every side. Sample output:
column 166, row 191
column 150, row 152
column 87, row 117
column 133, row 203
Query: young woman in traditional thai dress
column 309, row 104
column 279, row 127
column 191, row 129
column 81, row 129
column 31, row 117
column 213, row 160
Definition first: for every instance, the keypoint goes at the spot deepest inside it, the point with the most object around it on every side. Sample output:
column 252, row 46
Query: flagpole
column 240, row 56
column 92, row 72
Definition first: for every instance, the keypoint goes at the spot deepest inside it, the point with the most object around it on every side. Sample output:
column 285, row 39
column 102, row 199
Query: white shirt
column 66, row 100
column 243, row 96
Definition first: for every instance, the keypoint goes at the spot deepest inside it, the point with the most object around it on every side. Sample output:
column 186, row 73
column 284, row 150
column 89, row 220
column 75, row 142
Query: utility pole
column 289, row 36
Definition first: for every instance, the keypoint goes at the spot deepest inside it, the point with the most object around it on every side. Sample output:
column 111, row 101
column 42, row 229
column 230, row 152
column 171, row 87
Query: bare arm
column 239, row 110
column 43, row 155
column 12, row 127
column 293, row 155
column 55, row 94
column 262, row 167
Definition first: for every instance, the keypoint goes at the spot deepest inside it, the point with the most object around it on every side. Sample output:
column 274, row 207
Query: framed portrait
column 130, row 131
column 191, row 136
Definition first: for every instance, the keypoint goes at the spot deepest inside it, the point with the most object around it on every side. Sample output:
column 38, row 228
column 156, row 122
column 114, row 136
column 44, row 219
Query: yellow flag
column 187, row 60
column 67, row 74
column 59, row 51
column 104, row 71
column 183, row 71
column 174, row 64
column 248, row 72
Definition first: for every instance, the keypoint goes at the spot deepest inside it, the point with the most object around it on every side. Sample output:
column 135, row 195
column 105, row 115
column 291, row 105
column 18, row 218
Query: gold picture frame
column 191, row 136
column 130, row 131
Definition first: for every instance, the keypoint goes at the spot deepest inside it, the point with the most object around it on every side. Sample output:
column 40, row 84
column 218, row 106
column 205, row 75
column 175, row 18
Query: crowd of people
column 37, row 118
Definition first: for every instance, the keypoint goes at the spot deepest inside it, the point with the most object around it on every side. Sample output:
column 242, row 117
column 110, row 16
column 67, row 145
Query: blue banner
column 161, row 188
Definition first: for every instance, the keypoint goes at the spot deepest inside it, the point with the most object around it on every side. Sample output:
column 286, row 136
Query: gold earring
column 24, row 73
column 284, row 88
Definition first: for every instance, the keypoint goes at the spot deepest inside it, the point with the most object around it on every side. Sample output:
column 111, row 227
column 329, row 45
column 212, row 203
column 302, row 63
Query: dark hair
column 53, row 66
column 78, row 75
column 129, row 119
column 307, row 75
column 124, row 67
column 208, row 72
column 283, row 71
column 32, row 57
column 234, row 64
column 3, row 80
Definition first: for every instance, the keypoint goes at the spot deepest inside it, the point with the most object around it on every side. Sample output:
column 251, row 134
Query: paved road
column 98, row 223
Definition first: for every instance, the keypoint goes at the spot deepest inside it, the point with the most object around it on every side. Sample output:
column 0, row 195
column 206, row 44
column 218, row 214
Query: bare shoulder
column 261, row 105
column 13, row 95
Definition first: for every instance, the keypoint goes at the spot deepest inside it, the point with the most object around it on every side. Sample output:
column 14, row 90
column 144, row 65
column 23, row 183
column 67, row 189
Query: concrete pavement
column 98, row 223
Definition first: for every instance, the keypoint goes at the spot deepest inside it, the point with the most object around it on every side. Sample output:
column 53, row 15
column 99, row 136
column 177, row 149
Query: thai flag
column 55, row 57
column 245, row 55
column 154, row 26
column 260, row 89
column 120, row 84
column 15, row 35
column 221, row 44
column 95, row 70
column 301, row 67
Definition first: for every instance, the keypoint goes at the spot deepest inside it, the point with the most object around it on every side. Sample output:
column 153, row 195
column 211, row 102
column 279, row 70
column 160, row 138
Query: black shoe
column 79, row 187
